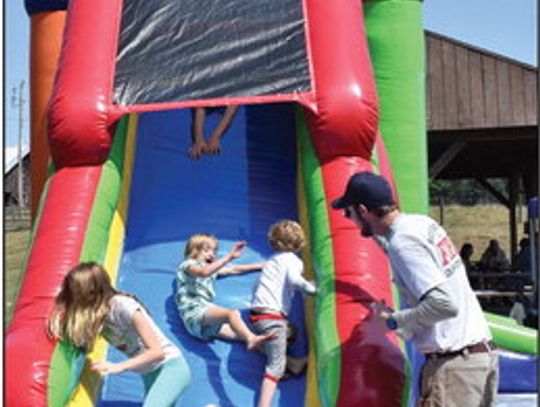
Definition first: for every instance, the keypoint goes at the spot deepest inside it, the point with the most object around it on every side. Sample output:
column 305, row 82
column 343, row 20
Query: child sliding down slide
column 195, row 293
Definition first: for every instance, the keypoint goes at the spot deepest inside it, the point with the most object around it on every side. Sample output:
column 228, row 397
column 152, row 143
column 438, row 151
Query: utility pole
column 18, row 102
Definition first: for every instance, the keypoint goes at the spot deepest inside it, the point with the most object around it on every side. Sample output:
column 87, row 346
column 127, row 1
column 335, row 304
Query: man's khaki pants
column 469, row 380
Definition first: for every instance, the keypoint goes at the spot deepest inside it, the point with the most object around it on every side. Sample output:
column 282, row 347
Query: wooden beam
column 528, row 133
column 493, row 191
column 446, row 158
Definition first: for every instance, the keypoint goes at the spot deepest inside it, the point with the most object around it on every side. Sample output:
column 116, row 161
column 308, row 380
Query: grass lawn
column 16, row 245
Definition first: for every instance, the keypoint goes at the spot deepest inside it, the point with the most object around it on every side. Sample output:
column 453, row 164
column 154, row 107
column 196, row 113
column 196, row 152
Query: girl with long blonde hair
column 88, row 306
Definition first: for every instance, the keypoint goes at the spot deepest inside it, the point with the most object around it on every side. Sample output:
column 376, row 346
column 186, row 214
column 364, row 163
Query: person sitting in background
column 518, row 312
column 524, row 256
column 494, row 258
column 466, row 252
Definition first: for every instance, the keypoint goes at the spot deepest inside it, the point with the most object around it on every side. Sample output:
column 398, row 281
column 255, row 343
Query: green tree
column 464, row 192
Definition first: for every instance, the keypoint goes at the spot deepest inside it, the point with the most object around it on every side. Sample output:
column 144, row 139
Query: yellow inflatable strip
column 86, row 392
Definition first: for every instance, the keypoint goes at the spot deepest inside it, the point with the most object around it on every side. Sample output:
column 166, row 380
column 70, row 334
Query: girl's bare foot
column 257, row 340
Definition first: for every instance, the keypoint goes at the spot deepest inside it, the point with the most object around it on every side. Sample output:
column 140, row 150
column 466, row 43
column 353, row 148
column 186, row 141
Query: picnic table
column 499, row 280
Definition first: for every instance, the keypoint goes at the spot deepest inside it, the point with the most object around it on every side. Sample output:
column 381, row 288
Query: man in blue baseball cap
column 369, row 191
column 442, row 314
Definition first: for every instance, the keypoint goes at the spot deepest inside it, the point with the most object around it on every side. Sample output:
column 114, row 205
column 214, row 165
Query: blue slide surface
column 236, row 195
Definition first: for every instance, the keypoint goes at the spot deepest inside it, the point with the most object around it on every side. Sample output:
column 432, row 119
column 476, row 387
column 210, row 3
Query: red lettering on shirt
column 447, row 250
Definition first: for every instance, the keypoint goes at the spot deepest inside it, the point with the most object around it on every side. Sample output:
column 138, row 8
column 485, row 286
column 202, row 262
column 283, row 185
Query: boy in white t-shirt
column 443, row 315
column 271, row 303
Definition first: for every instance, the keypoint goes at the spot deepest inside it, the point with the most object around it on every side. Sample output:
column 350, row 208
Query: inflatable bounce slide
column 325, row 89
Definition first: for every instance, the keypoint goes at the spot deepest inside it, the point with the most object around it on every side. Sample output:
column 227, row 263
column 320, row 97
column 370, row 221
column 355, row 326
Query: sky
column 506, row 27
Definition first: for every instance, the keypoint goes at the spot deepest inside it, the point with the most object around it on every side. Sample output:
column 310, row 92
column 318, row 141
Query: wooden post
column 20, row 179
column 533, row 236
column 513, row 186
column 441, row 211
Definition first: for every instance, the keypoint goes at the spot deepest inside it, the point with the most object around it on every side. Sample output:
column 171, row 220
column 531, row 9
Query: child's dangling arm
column 240, row 269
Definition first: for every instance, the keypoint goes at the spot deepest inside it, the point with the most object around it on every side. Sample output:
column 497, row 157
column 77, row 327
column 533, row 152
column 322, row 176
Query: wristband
column 391, row 323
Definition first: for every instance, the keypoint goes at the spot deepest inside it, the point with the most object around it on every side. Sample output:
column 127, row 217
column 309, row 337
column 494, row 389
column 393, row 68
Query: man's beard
column 366, row 230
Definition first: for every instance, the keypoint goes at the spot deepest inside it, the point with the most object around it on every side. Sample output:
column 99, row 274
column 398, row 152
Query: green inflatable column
column 396, row 43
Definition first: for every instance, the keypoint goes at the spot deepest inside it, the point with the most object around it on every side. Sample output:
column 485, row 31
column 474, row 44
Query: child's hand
column 311, row 287
column 197, row 150
column 315, row 285
column 236, row 250
column 213, row 146
column 104, row 367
